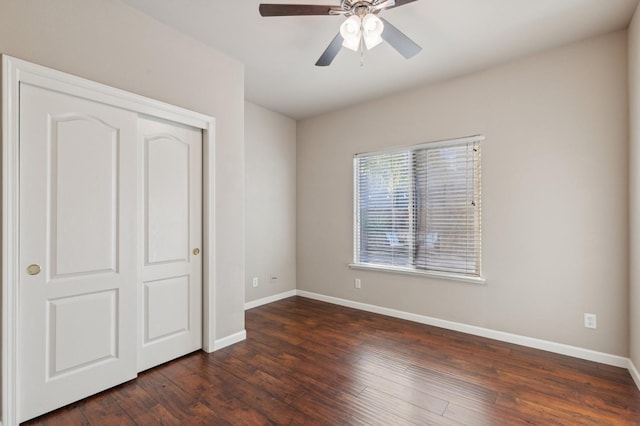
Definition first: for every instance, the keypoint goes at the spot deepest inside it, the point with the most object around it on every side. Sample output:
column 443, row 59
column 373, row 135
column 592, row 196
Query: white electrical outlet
column 255, row 281
column 590, row 321
column 357, row 283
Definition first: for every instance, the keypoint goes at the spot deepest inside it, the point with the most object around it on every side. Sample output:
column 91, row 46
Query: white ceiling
column 457, row 37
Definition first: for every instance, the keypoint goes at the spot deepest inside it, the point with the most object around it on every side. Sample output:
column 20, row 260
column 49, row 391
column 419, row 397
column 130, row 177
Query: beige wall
column 555, row 200
column 634, row 186
column 109, row 42
column 270, row 202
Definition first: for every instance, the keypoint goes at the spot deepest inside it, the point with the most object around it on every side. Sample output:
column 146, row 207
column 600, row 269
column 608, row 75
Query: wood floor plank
column 313, row 363
column 400, row 391
column 70, row 415
column 482, row 414
column 180, row 404
column 218, row 394
column 343, row 409
column 103, row 409
column 409, row 410
column 142, row 408
column 259, row 402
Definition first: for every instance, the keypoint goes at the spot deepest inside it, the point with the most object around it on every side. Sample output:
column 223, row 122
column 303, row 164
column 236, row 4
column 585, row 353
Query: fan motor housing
column 358, row 6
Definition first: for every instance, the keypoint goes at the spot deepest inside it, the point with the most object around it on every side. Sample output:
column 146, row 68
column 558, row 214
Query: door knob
column 33, row 269
column 196, row 251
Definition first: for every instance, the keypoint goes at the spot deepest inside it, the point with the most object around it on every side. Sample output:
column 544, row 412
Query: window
column 418, row 209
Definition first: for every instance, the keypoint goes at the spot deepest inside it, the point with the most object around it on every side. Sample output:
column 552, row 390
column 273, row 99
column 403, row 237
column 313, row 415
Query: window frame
column 413, row 270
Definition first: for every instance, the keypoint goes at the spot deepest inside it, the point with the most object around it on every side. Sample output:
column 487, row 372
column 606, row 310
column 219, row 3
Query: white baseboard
column 635, row 375
column 531, row 342
column 270, row 299
column 230, row 340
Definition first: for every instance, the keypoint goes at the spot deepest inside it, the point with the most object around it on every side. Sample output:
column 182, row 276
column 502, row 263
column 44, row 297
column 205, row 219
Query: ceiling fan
column 362, row 28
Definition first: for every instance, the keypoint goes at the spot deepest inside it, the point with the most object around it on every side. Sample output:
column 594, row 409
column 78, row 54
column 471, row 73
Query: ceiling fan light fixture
column 350, row 30
column 362, row 28
column 372, row 28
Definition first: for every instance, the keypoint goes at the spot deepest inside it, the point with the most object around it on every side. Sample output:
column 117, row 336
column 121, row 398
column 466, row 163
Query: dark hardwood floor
column 308, row 362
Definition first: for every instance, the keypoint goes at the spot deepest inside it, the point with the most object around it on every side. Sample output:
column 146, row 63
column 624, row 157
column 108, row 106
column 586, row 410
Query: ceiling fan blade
column 396, row 38
column 296, row 9
column 400, row 3
column 331, row 51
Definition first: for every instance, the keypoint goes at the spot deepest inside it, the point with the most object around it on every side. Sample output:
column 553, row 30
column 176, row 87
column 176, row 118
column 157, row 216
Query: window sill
column 419, row 272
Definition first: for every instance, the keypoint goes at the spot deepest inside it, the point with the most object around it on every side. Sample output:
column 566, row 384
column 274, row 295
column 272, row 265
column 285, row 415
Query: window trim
column 419, row 272
column 476, row 279
column 428, row 145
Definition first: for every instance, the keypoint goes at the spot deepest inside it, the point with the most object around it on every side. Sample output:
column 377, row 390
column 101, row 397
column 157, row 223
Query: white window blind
column 419, row 208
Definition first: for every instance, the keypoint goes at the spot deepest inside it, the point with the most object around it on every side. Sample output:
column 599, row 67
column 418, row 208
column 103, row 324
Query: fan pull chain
column 361, row 52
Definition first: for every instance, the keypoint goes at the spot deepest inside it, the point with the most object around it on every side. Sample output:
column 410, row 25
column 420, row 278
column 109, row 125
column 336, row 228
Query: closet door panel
column 170, row 313
column 78, row 257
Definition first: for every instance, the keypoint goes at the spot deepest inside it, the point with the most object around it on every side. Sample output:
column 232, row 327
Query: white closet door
column 170, row 314
column 78, row 257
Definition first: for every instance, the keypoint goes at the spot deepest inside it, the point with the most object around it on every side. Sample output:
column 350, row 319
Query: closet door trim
column 13, row 73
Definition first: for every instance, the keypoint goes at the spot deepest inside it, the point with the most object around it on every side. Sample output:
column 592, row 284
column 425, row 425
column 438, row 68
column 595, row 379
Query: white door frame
column 13, row 73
